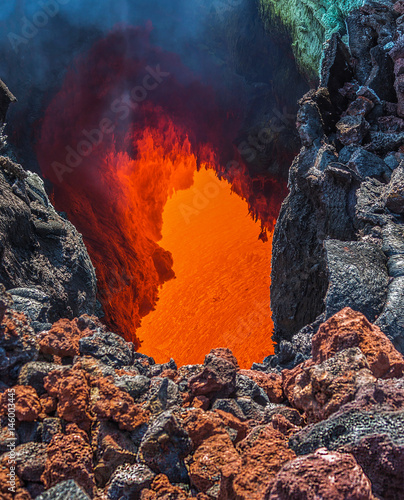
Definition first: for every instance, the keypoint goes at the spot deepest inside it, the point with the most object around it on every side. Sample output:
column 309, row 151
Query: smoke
column 222, row 42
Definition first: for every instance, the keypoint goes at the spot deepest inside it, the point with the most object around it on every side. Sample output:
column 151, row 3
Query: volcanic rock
column 164, row 447
column 136, row 386
column 271, row 383
column 129, row 481
column 70, row 387
column 349, row 329
column 109, row 348
column 64, row 490
column 323, row 474
column 322, row 389
column 114, row 448
column 246, row 386
column 30, row 461
column 17, row 345
column 352, row 130
column 263, row 453
column 395, row 191
column 40, row 249
column 62, row 339
column 161, row 489
column 34, row 373
column 163, row 395
column 69, row 457
column 26, row 403
column 110, row 403
column 217, row 377
column 50, row 427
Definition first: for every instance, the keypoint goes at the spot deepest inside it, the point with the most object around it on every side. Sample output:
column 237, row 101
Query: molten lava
column 114, row 163
column 220, row 295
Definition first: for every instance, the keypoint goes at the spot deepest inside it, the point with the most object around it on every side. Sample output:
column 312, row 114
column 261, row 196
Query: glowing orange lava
column 220, row 297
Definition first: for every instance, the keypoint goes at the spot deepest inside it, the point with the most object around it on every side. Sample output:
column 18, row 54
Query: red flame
column 130, row 127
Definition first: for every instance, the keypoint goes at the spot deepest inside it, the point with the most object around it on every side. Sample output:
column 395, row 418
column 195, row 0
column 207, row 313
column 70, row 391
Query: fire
column 117, row 165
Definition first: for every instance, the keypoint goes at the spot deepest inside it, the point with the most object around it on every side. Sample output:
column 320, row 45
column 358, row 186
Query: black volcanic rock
column 41, row 250
column 109, row 348
column 63, row 491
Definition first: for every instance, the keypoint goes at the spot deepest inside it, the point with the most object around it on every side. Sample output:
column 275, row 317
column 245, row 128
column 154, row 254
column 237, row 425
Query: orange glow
column 221, row 295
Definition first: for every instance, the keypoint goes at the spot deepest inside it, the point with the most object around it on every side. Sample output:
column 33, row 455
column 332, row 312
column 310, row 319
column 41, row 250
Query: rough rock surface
column 304, row 478
column 339, row 237
column 41, row 249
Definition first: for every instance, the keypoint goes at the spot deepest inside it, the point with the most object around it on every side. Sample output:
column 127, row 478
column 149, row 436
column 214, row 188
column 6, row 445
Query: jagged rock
column 358, row 278
column 322, row 474
column 34, row 304
column 271, row 383
column 367, row 164
column 6, row 98
column 129, row 481
column 164, row 447
column 114, row 449
column 351, row 130
column 111, row 403
column 208, row 461
column 69, row 457
column 322, row 389
column 163, row 395
column 27, row 406
column 30, row 461
column 374, row 438
column 50, row 427
column 157, row 370
column 136, row 386
column 63, row 338
column 218, row 378
column 34, row 373
column 395, row 191
column 62, row 491
column 109, row 348
column 246, row 386
column 263, row 453
column 391, row 319
column 162, row 489
column 17, row 345
column 229, row 406
column 71, row 389
column 40, row 249
column 382, row 459
column 349, row 329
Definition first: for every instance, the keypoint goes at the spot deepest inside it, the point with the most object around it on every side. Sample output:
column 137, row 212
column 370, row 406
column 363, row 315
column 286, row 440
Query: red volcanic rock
column 110, row 403
column 48, row 403
column 69, row 457
column 217, row 377
column 383, row 462
column 201, row 425
column 201, row 402
column 324, row 474
column 63, row 338
column 72, row 390
column 384, row 395
column 171, row 374
column 224, row 353
column 26, row 401
column 322, row 389
column 399, row 7
column 283, row 425
column 208, row 461
column 348, row 329
column 271, row 383
column 162, row 489
column 20, row 493
column 263, row 453
column 233, row 423
column 361, row 106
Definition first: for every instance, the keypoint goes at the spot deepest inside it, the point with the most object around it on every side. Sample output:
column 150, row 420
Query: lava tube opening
column 220, row 297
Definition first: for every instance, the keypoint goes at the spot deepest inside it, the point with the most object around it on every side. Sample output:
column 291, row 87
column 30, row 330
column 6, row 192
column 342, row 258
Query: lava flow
column 220, row 295
column 115, row 160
